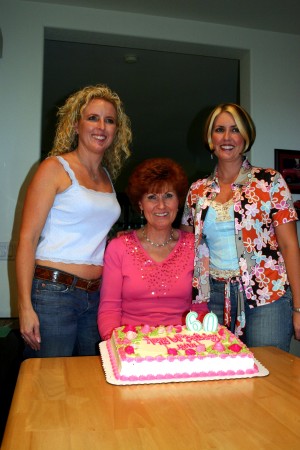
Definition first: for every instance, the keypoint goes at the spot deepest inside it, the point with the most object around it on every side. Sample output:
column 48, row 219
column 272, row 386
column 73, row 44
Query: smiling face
column 97, row 126
column 227, row 141
column 160, row 209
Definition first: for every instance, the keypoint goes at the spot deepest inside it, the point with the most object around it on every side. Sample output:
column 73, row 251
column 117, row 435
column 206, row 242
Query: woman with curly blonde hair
column 69, row 209
column 66, row 138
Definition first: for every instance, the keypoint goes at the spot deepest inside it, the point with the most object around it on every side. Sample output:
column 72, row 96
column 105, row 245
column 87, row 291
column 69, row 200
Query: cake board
column 110, row 377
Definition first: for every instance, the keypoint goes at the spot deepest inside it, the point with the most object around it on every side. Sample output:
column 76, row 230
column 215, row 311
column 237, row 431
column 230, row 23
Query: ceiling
column 272, row 15
column 167, row 93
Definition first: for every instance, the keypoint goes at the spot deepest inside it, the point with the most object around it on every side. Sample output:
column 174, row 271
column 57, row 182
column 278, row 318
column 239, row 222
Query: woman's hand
column 296, row 322
column 30, row 328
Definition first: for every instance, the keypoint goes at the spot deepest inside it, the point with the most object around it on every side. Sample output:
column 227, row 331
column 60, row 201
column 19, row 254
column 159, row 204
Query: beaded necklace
column 154, row 243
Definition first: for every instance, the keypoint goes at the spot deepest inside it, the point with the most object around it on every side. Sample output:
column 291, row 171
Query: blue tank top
column 78, row 223
column 218, row 230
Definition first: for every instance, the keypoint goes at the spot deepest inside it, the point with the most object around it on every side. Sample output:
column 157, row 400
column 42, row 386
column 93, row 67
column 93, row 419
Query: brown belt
column 57, row 276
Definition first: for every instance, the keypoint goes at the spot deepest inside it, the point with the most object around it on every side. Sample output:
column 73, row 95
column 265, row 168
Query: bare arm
column 39, row 199
column 288, row 243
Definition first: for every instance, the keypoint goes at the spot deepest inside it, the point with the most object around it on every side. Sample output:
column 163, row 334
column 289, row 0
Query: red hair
column 155, row 175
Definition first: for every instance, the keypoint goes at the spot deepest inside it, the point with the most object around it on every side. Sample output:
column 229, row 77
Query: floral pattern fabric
column 262, row 201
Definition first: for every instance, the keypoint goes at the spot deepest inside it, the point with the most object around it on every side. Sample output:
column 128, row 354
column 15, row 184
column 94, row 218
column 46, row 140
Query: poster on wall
column 287, row 162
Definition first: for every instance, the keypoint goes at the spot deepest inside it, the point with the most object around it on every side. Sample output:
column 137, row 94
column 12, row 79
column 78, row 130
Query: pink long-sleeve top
column 137, row 290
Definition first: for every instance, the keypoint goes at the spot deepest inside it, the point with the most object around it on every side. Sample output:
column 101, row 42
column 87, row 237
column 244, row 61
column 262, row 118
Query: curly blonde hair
column 66, row 138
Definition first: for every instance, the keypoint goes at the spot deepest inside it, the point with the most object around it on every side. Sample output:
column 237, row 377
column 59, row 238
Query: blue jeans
column 270, row 324
column 68, row 320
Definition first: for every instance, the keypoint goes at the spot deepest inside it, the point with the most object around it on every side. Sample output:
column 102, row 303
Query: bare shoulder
column 187, row 237
column 51, row 163
column 50, row 175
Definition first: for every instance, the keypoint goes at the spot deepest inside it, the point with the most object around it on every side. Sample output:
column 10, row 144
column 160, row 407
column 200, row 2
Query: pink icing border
column 174, row 376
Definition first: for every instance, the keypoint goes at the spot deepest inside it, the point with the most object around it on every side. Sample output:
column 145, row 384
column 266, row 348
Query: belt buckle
column 55, row 275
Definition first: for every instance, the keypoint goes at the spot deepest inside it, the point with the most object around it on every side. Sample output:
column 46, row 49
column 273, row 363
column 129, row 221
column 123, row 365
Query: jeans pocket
column 40, row 286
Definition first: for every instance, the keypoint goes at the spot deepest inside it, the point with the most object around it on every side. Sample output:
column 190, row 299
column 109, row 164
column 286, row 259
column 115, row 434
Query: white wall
column 270, row 73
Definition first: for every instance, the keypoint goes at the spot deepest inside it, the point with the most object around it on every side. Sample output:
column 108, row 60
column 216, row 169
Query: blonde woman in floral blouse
column 247, row 262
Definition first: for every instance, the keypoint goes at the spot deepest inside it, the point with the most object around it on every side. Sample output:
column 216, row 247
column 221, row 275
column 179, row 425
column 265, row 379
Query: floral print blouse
column 262, row 201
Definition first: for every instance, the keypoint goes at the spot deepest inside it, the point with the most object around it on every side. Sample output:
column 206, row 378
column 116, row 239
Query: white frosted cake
column 141, row 353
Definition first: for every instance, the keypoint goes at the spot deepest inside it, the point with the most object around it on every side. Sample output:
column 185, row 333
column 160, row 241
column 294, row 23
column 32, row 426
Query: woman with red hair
column 147, row 276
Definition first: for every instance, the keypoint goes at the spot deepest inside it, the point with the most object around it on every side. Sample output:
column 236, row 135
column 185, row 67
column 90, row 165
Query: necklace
column 93, row 176
column 154, row 243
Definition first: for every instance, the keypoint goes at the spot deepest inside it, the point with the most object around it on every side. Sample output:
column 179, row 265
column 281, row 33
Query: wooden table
column 66, row 403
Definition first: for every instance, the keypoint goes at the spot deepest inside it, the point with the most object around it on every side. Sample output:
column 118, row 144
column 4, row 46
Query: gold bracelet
column 296, row 310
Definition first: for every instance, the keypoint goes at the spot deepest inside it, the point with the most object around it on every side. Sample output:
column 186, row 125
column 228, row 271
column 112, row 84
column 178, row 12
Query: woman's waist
column 76, row 252
column 86, row 271
column 224, row 275
column 155, row 311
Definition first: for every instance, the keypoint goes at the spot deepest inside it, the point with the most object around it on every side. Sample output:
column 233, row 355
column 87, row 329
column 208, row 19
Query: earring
column 142, row 218
column 211, row 155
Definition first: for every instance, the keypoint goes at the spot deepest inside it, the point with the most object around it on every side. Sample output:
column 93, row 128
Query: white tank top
column 77, row 224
